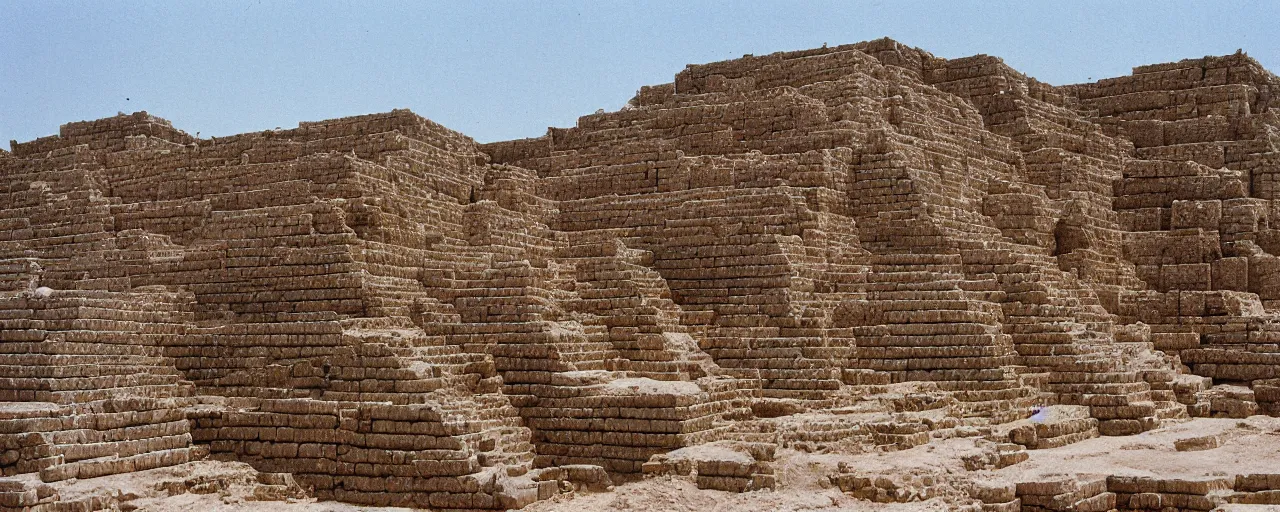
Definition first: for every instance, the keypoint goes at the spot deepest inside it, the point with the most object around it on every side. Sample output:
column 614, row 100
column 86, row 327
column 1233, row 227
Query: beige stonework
column 862, row 247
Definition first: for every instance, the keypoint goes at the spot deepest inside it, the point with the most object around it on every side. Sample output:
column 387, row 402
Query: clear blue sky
column 502, row 70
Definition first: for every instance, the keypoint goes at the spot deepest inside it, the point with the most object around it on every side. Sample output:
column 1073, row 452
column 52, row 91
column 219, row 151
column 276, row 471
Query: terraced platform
column 861, row 248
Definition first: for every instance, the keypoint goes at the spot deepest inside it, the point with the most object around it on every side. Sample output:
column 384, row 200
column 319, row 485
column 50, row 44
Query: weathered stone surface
column 884, row 246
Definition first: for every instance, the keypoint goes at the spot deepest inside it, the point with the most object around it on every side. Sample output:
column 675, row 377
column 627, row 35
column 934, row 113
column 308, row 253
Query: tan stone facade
column 397, row 315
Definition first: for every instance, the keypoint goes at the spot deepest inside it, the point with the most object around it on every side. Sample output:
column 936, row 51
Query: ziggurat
column 862, row 247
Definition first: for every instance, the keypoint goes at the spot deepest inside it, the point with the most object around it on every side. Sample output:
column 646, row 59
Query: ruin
column 855, row 249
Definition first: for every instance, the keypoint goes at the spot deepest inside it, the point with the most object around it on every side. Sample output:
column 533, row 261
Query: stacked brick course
column 399, row 316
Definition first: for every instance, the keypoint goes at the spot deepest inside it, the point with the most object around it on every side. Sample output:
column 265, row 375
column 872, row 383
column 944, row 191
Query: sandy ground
column 681, row 495
column 203, row 486
column 1249, row 446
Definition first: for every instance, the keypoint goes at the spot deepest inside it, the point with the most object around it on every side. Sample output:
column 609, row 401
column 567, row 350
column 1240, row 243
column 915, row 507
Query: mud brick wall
column 352, row 262
column 364, row 453
column 257, row 237
column 1196, row 201
column 924, row 172
column 400, row 316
